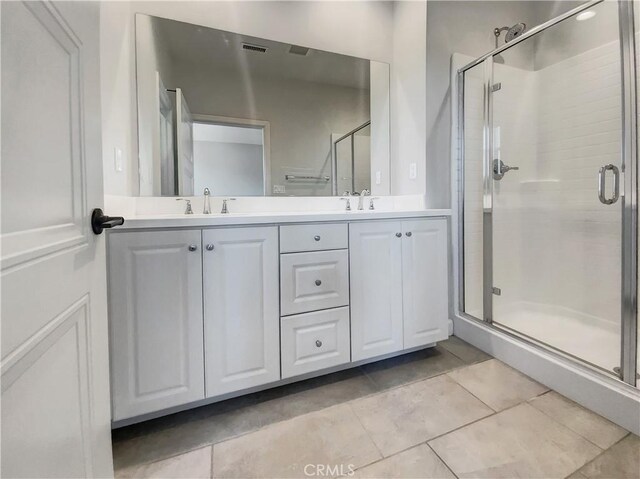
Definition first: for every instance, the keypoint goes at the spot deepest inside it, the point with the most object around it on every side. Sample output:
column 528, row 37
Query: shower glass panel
column 352, row 161
column 556, row 151
column 473, row 100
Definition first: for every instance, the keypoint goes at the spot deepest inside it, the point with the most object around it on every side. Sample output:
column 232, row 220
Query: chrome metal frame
column 487, row 193
column 629, row 309
column 629, row 162
column 334, row 165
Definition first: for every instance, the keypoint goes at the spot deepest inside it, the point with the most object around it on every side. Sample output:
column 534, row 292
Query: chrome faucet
column 187, row 210
column 364, row 193
column 371, row 205
column 207, row 204
column 225, row 209
column 348, row 200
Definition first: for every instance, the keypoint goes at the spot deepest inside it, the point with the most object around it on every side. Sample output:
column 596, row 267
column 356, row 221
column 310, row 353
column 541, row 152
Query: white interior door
column 54, row 366
column 184, row 145
column 167, row 167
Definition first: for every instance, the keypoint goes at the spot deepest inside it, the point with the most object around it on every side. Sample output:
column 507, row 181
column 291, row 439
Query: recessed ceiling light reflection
column 581, row 17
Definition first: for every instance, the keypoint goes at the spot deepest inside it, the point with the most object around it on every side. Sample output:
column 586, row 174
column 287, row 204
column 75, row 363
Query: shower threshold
column 586, row 337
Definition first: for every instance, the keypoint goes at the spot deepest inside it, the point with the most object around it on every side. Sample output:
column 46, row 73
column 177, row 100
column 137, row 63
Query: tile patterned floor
column 447, row 412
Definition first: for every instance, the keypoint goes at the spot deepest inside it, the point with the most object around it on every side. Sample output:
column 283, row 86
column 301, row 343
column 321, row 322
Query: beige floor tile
column 621, row 461
column 191, row 465
column 518, row 442
column 591, row 426
column 576, row 475
column 332, row 437
column 406, row 416
column 417, row 462
column 496, row 384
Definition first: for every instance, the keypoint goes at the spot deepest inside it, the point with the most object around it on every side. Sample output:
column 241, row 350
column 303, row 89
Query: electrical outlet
column 378, row 177
column 413, row 171
column 279, row 189
column 117, row 159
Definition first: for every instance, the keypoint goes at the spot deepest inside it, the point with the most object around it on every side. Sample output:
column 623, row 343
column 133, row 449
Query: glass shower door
column 555, row 178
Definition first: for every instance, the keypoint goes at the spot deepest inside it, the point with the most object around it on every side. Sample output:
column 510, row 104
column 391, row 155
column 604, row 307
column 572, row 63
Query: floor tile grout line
column 602, row 449
column 472, row 394
column 353, row 411
column 600, row 454
column 441, row 459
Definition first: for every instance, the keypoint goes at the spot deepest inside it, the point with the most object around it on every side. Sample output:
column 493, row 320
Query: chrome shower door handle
column 602, row 184
column 499, row 169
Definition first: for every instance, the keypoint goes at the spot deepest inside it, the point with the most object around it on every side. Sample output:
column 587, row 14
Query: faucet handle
column 207, row 192
column 371, row 205
column 225, row 209
column 187, row 210
column 348, row 200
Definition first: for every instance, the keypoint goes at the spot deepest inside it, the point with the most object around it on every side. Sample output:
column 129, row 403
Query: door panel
column 425, row 282
column 55, row 371
column 376, row 288
column 556, row 244
column 242, row 344
column 156, row 320
column 184, row 145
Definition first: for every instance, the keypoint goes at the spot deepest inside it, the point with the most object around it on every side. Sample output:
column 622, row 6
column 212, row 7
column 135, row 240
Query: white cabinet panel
column 425, row 281
column 156, row 320
column 312, row 281
column 241, row 308
column 376, row 288
column 315, row 341
column 313, row 237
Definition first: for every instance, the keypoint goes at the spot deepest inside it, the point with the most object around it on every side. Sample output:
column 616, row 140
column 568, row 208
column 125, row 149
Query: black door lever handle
column 99, row 221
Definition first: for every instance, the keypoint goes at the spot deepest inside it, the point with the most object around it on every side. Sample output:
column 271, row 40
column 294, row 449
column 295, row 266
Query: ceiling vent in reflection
column 254, row 48
column 297, row 50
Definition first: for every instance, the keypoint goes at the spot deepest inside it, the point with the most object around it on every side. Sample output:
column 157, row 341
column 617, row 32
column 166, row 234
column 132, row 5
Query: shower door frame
column 629, row 163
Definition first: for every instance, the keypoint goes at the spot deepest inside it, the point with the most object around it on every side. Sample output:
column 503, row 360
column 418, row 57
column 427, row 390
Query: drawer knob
column 318, row 343
column 318, row 282
column 399, row 235
column 209, row 247
column 408, row 233
column 316, row 237
column 192, row 247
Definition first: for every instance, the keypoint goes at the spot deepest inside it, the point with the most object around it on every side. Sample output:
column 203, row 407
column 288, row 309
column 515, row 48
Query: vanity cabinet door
column 375, row 250
column 155, row 305
column 425, row 281
column 242, row 324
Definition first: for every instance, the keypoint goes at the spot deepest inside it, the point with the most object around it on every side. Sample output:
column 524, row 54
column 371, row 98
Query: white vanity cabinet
column 155, row 310
column 399, row 285
column 375, row 250
column 207, row 313
column 241, row 315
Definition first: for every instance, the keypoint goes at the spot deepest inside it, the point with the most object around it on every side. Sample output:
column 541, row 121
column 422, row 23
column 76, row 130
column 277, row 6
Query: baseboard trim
column 613, row 399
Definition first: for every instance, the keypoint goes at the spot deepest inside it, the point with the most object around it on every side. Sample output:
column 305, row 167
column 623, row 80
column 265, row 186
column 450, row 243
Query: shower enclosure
column 352, row 160
column 548, row 169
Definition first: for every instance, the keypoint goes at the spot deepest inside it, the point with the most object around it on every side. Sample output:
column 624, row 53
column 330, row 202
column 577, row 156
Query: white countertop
column 250, row 218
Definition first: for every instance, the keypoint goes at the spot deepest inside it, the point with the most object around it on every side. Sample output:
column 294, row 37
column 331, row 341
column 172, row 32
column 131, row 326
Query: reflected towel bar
column 296, row 177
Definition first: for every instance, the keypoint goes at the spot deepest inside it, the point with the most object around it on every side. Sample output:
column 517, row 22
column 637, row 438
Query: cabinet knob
column 192, row 247
column 399, row 235
column 408, row 233
column 316, row 237
column 318, row 282
column 209, row 247
column 318, row 343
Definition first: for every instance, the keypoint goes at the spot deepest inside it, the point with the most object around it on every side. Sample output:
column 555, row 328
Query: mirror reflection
column 245, row 116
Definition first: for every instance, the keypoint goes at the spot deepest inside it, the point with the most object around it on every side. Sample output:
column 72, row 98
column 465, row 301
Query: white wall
column 362, row 29
column 408, row 97
column 228, row 169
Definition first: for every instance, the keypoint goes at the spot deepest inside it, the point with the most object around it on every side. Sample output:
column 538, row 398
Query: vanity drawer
column 314, row 341
column 295, row 238
column 312, row 281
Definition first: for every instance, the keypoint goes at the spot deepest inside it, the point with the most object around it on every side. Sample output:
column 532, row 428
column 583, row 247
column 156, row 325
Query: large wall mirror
column 245, row 116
